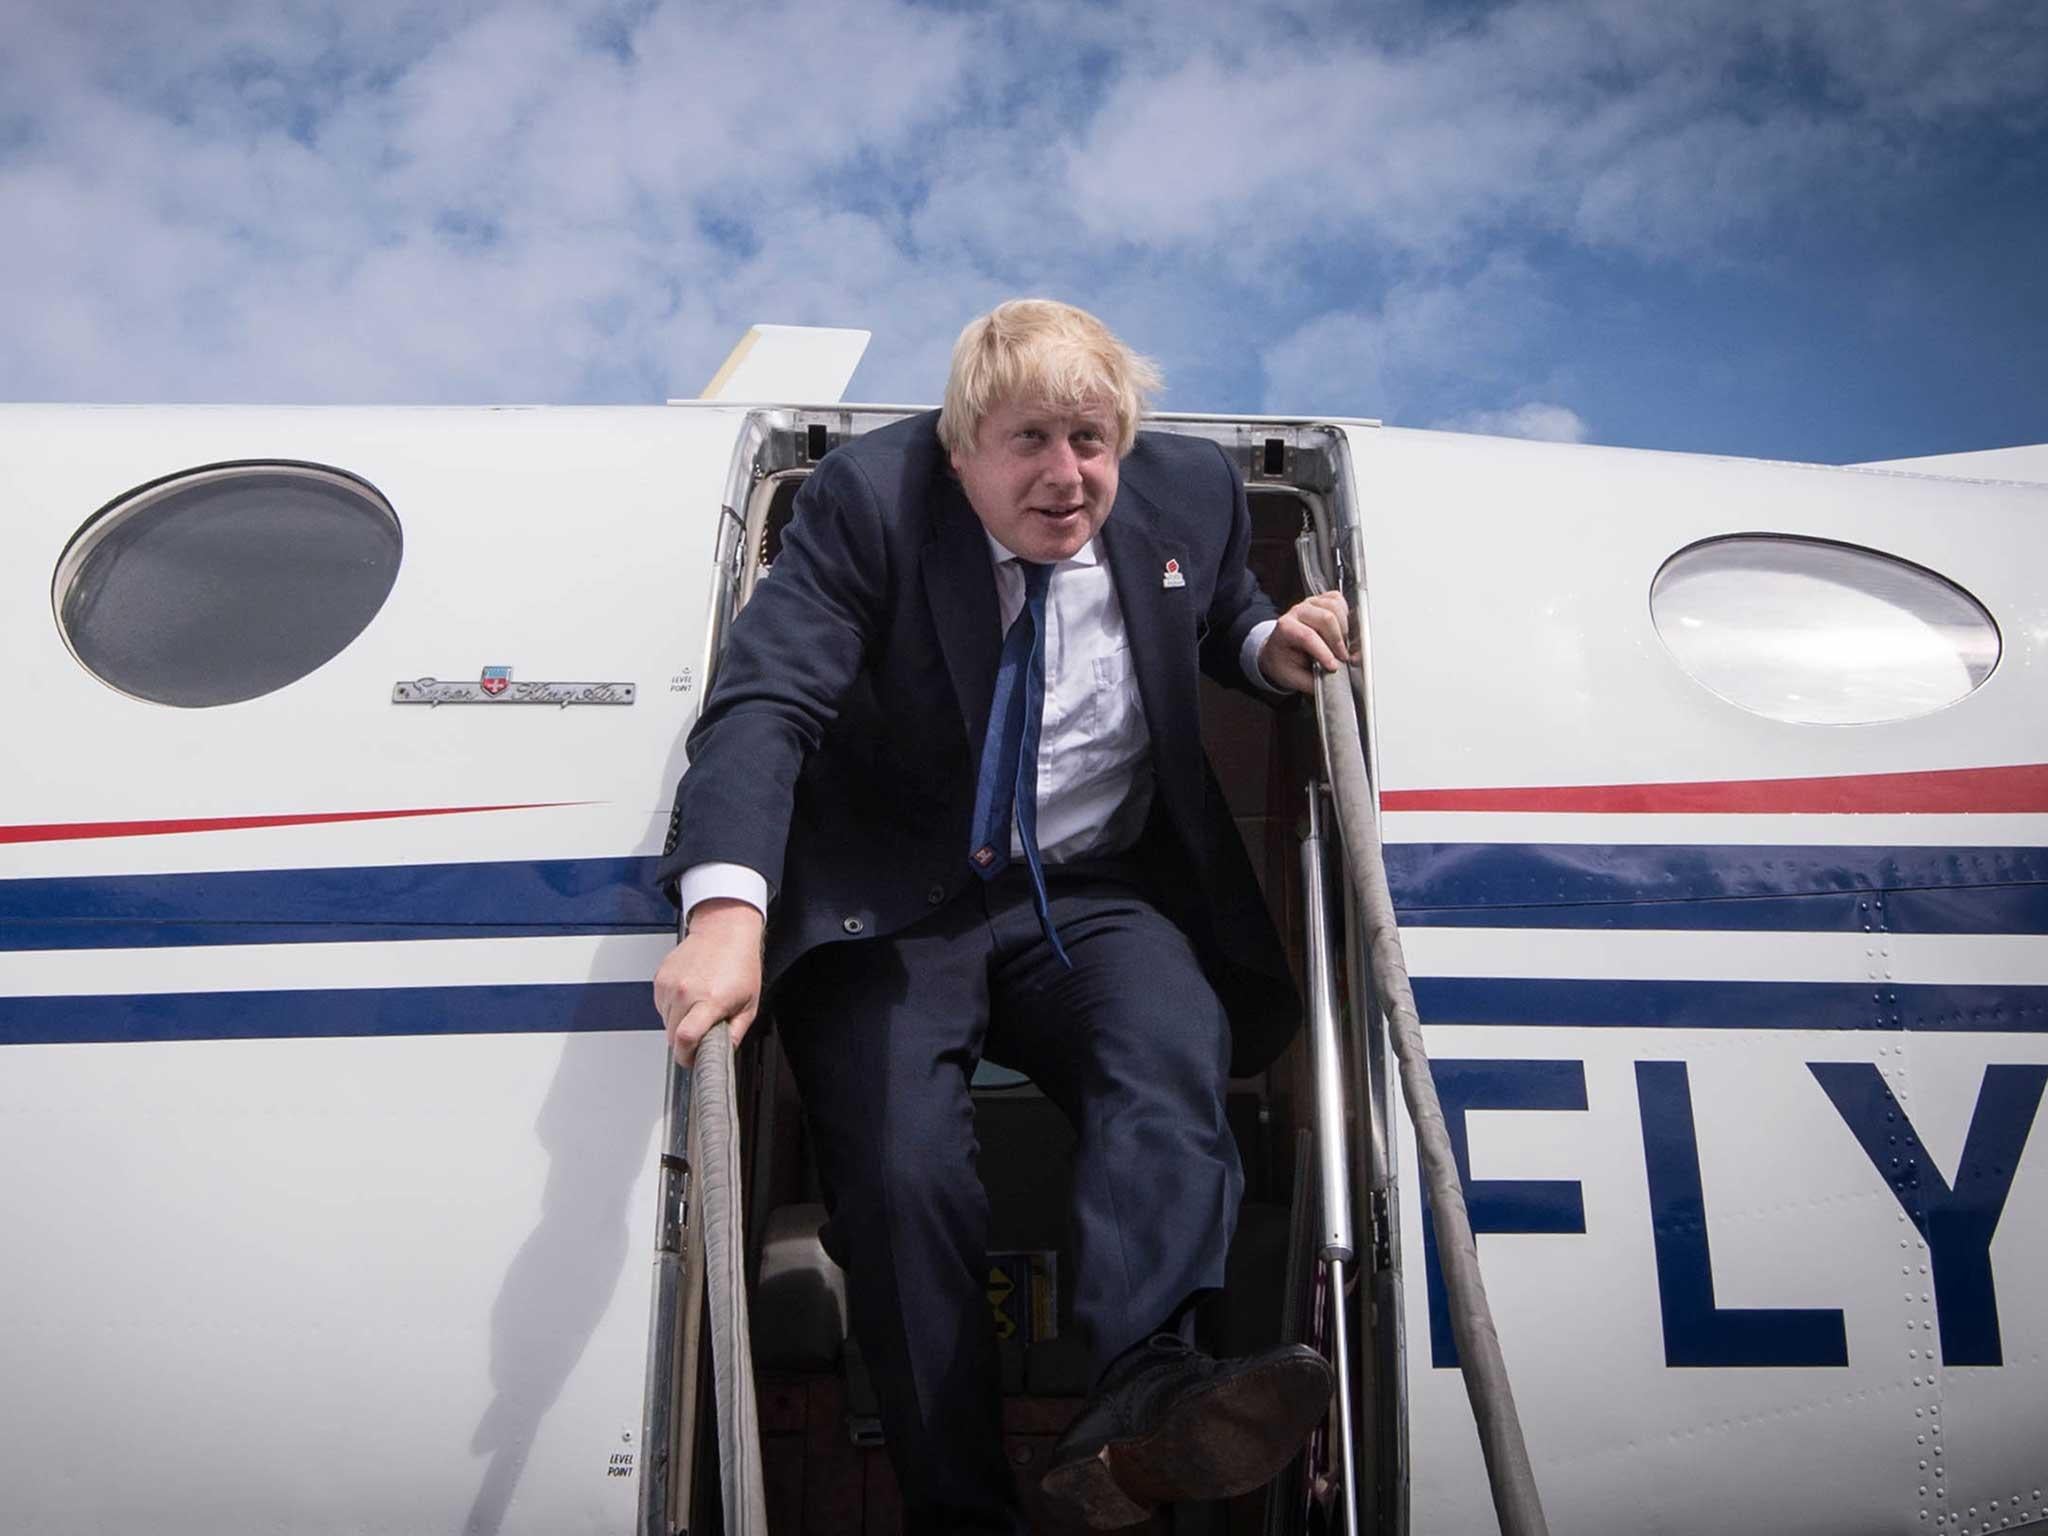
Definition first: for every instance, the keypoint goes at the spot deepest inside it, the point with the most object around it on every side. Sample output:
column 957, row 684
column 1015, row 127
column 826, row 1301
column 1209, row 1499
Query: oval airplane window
column 226, row 583
column 1819, row 633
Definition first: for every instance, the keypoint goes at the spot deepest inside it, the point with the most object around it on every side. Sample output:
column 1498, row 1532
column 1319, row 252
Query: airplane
column 1715, row 802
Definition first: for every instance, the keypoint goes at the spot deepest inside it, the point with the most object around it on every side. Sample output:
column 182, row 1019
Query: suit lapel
column 960, row 584
column 1160, row 621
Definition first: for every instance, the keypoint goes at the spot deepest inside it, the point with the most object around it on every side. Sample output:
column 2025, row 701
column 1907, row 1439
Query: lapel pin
column 1172, row 577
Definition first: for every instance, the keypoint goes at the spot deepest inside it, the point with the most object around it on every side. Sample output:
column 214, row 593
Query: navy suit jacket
column 838, row 749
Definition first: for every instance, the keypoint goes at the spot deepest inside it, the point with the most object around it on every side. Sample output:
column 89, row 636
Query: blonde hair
column 1042, row 350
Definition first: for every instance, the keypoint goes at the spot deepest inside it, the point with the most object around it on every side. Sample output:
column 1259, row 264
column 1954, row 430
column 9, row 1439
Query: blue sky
column 1812, row 229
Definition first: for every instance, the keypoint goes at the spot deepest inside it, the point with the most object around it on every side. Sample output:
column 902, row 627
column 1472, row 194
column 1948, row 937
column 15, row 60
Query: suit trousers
column 1134, row 1048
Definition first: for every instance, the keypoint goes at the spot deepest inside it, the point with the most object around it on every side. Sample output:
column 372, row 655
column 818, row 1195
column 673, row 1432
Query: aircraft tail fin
column 801, row 364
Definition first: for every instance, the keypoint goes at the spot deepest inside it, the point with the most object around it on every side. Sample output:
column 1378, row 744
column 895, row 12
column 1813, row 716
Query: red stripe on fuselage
column 2019, row 789
column 68, row 831
column 1949, row 791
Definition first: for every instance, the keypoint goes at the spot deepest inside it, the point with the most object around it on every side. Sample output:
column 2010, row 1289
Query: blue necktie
column 1009, row 754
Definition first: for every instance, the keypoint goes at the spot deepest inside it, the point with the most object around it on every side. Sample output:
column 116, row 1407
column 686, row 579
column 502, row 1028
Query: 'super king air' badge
column 496, row 686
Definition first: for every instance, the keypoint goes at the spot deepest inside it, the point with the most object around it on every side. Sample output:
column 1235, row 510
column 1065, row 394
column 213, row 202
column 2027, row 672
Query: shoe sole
column 1230, row 1438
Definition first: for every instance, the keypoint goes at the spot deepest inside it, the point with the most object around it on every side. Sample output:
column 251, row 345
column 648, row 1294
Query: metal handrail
column 668, row 1447
column 1517, row 1505
column 1335, row 1245
column 715, row 1159
column 700, row 1254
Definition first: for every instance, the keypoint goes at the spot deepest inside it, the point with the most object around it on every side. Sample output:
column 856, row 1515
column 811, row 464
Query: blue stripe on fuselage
column 1508, row 885
column 291, row 906
column 329, row 1013
column 325, row 1013
column 1819, row 889
column 1576, row 1003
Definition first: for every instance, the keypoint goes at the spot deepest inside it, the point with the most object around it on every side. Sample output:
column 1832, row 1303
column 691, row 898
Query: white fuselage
column 330, row 1084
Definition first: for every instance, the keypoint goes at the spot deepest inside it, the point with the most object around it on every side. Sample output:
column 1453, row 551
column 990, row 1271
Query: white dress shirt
column 1094, row 748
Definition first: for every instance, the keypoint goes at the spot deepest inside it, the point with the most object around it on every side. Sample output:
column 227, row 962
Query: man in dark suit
column 954, row 747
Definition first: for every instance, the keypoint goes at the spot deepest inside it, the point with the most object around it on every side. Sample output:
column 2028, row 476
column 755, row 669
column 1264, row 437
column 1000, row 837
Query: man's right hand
column 714, row 974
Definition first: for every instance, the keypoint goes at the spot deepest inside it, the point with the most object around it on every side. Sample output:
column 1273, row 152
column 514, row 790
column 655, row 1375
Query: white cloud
column 560, row 199
column 506, row 212
column 1423, row 340
column 1648, row 127
column 1538, row 419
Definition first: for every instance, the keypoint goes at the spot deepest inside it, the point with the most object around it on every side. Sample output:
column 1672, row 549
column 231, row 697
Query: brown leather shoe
column 1169, row 1423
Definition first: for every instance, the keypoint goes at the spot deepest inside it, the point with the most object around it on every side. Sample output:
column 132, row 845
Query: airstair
column 1319, row 1133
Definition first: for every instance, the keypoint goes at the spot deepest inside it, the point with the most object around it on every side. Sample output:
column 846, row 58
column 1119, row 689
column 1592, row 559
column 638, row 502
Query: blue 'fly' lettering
column 1696, row 1331
column 1499, row 1205
column 1957, row 1222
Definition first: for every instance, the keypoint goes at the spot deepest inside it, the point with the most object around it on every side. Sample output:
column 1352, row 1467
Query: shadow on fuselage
column 596, row 1124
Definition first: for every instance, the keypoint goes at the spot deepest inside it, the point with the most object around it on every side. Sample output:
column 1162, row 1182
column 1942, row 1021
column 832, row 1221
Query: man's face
column 1041, row 477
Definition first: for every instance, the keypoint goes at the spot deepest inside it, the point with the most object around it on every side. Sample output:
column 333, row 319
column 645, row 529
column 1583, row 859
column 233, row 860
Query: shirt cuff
column 708, row 882
column 1248, row 657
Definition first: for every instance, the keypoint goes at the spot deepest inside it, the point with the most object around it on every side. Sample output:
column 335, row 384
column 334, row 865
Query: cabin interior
column 826, row 1469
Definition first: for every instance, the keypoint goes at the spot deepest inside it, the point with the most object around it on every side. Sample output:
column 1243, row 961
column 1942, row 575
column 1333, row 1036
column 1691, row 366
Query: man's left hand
column 1310, row 635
